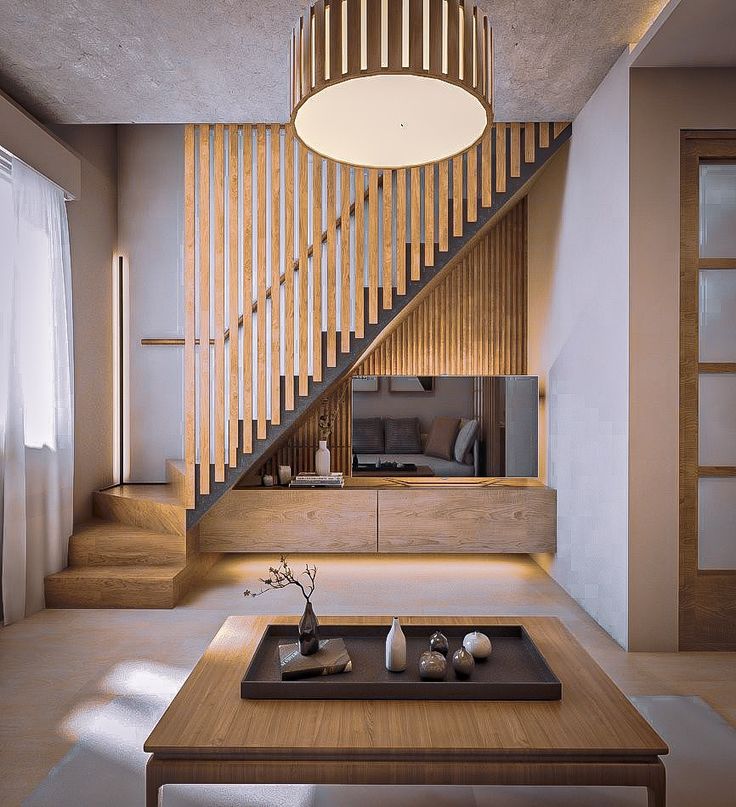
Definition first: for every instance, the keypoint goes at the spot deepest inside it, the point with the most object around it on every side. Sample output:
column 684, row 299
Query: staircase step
column 176, row 477
column 107, row 543
column 114, row 587
column 151, row 507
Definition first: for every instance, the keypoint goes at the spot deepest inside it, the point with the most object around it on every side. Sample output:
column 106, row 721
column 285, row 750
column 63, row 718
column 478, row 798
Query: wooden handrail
column 162, row 341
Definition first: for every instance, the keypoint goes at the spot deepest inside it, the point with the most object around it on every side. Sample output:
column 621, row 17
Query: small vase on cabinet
column 396, row 648
column 322, row 459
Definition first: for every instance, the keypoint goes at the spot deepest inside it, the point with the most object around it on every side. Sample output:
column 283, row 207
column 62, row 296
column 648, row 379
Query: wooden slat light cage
column 339, row 40
column 287, row 255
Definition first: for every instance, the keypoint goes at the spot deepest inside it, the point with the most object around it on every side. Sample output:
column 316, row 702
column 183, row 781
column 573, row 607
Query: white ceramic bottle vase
column 396, row 648
column 322, row 459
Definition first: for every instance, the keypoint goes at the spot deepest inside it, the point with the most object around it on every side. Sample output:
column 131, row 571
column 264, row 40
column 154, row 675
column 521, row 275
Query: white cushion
column 465, row 438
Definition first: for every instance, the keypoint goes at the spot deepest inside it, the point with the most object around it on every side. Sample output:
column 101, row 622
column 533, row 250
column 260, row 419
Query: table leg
column 657, row 788
column 155, row 777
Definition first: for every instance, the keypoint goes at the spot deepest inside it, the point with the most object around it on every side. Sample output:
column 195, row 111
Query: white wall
column 663, row 101
column 578, row 345
column 150, row 222
column 92, row 234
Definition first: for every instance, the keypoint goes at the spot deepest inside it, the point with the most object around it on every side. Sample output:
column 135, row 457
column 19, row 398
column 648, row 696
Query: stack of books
column 332, row 658
column 309, row 480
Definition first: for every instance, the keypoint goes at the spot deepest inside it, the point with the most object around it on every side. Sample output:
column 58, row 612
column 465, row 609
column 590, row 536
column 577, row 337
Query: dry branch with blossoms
column 282, row 576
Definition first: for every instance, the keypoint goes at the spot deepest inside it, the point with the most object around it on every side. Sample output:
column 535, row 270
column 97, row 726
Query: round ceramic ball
column 432, row 666
column 438, row 641
column 477, row 644
column 463, row 663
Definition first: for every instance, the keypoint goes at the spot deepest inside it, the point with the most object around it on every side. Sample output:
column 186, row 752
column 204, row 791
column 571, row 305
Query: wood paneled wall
column 474, row 322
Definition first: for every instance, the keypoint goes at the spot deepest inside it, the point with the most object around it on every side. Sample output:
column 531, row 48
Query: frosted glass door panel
column 717, row 523
column 718, row 210
column 717, row 419
column 718, row 315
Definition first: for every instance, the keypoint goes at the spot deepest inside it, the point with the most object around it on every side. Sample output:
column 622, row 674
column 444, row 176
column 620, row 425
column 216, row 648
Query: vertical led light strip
column 121, row 373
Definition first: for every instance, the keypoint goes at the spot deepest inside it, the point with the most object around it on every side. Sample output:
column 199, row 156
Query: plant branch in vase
column 282, row 576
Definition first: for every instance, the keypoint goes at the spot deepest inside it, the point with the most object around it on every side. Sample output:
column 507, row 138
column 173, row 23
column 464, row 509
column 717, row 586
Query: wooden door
column 707, row 601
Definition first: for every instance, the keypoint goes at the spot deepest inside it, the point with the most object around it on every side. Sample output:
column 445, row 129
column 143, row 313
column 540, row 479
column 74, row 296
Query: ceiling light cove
column 391, row 83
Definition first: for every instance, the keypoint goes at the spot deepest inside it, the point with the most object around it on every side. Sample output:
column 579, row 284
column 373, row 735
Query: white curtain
column 36, row 388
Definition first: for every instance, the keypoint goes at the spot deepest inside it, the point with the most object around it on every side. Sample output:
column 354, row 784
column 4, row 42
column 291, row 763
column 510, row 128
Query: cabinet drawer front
column 291, row 521
column 488, row 520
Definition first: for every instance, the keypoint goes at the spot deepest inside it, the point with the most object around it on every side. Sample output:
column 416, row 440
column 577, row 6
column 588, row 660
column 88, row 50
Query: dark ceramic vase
column 308, row 631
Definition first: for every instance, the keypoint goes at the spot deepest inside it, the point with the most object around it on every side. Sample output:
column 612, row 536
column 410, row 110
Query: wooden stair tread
column 159, row 494
column 156, row 573
column 100, row 528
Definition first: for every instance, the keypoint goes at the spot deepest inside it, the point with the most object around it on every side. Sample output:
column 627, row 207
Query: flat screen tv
column 445, row 426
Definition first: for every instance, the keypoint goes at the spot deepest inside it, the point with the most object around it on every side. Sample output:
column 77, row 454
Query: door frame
column 707, row 598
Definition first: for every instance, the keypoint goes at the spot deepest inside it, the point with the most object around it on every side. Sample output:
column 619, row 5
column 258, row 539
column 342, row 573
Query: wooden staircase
column 135, row 553
column 141, row 548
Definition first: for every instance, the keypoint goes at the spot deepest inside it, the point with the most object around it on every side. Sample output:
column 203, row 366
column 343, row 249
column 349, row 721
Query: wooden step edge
column 113, row 587
column 146, row 512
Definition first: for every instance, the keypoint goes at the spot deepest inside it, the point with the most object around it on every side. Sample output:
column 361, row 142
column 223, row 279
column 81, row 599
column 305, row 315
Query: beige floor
column 58, row 667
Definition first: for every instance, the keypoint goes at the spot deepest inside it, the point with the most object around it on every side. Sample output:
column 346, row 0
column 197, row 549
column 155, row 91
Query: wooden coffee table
column 593, row 736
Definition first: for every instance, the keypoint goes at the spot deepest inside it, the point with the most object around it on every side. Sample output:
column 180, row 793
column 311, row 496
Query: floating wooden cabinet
column 499, row 519
column 503, row 518
column 260, row 520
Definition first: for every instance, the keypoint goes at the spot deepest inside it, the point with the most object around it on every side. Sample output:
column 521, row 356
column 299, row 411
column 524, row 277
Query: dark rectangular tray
column 516, row 670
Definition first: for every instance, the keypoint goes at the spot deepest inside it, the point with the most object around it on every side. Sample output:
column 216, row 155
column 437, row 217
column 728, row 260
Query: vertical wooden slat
column 317, row 268
column 247, row 289
column 443, row 204
column 204, row 309
column 559, row 127
column 335, row 38
column 345, row 259
column 275, row 274
column 500, row 158
column 359, row 253
column 472, row 183
column 353, row 36
column 401, row 231
column 387, row 239
column 429, row 215
column 218, row 233
column 528, row 142
column 319, row 43
column 457, row 195
column 234, row 289
column 515, row 150
column 467, row 41
column 190, row 380
column 435, row 36
column 416, row 223
column 331, row 267
column 289, row 269
column 544, row 135
column 307, row 52
column 302, row 279
column 394, row 32
column 486, row 178
column 453, row 50
column 261, row 288
column 480, row 64
column 416, row 34
column 372, row 245
column 373, row 35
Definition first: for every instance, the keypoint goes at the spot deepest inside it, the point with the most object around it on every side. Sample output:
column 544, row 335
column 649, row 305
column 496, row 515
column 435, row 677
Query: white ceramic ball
column 477, row 644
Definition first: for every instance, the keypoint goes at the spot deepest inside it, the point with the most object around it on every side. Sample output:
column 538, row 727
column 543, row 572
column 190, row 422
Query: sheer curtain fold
column 36, row 390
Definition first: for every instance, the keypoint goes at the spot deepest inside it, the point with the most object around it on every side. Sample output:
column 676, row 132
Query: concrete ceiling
column 691, row 33
column 167, row 61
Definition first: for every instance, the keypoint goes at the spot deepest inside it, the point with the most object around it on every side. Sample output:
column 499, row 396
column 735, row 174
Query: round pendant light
column 391, row 83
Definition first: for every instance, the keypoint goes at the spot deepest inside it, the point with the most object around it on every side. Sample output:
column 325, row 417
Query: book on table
column 311, row 480
column 332, row 658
